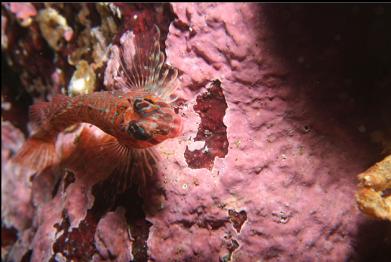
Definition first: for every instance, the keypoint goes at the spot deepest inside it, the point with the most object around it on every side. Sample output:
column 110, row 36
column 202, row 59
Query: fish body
column 137, row 117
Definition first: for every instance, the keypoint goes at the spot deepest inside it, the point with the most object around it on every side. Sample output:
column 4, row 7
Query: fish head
column 152, row 121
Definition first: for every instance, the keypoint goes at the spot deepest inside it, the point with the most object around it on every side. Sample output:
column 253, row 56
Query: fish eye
column 137, row 131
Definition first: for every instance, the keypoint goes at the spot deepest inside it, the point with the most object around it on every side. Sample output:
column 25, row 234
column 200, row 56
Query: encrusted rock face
column 290, row 168
column 373, row 196
column 276, row 128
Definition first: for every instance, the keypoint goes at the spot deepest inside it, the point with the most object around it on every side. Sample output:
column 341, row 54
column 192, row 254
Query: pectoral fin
column 123, row 166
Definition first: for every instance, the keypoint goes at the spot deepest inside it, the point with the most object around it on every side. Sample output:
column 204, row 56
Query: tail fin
column 39, row 150
column 37, row 153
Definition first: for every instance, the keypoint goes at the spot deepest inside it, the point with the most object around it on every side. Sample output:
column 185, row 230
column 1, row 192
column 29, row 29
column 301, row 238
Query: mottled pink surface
column 19, row 212
column 112, row 237
column 23, row 11
column 284, row 189
column 292, row 172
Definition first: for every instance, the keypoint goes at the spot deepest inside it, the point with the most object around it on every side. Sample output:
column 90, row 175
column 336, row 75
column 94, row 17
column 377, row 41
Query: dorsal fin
column 145, row 69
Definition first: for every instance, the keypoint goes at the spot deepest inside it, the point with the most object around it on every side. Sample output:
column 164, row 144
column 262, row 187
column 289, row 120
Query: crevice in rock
column 211, row 224
column 8, row 235
column 237, row 219
column 232, row 245
column 139, row 226
column 27, row 256
column 69, row 178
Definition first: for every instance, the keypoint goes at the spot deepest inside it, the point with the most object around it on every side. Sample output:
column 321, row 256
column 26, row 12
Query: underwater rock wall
column 290, row 172
column 275, row 132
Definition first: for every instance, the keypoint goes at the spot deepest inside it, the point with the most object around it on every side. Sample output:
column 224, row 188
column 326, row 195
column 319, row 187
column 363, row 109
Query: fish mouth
column 166, row 130
column 165, row 123
column 155, row 130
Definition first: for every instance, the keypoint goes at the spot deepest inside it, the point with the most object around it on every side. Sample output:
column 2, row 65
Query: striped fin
column 134, row 166
column 145, row 69
column 38, row 152
column 131, row 166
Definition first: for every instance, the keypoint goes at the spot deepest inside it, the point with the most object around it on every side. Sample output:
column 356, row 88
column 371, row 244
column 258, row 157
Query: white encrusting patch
column 78, row 85
column 196, row 145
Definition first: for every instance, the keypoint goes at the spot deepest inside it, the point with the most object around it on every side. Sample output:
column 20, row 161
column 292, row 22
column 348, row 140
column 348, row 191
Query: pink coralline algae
column 277, row 124
column 284, row 191
column 24, row 12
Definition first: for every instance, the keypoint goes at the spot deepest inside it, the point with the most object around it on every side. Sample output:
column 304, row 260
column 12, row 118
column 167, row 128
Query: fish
column 135, row 118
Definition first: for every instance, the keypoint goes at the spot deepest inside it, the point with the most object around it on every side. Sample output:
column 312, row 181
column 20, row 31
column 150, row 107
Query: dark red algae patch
column 78, row 244
column 8, row 236
column 211, row 107
column 141, row 17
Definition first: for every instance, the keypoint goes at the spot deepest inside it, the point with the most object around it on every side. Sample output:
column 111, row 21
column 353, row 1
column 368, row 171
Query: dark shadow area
column 135, row 215
column 8, row 235
column 339, row 62
column 15, row 100
column 373, row 242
